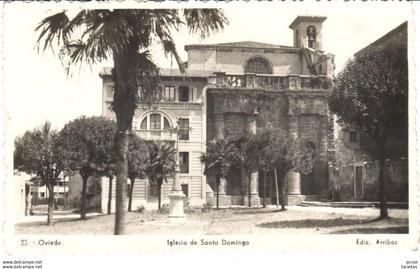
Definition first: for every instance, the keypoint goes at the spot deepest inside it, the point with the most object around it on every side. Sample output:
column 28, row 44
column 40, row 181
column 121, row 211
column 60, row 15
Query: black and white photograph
column 222, row 124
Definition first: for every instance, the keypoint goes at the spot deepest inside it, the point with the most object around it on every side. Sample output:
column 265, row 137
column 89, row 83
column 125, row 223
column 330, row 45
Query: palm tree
column 124, row 35
column 218, row 159
column 161, row 165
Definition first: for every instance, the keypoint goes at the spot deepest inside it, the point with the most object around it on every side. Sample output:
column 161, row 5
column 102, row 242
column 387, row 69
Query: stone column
column 255, row 199
column 224, row 199
column 293, row 178
column 294, row 196
column 176, row 197
column 219, row 126
column 222, row 186
column 293, row 126
column 293, row 182
column 323, row 155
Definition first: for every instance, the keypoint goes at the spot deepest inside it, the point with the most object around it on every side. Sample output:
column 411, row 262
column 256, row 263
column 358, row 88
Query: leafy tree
column 138, row 157
column 371, row 92
column 85, row 145
column 124, row 35
column 161, row 165
column 218, row 159
column 285, row 154
column 36, row 154
column 250, row 150
column 262, row 158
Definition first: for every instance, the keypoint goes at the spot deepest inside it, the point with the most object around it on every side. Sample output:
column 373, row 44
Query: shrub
column 141, row 209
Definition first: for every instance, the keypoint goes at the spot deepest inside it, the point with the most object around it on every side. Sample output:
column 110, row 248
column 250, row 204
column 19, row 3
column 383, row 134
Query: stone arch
column 311, row 36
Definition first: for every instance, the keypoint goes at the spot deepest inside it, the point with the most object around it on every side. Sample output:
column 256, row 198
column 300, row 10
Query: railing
column 270, row 82
column 156, row 134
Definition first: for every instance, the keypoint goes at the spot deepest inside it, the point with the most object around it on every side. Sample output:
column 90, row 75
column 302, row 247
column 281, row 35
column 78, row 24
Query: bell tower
column 307, row 32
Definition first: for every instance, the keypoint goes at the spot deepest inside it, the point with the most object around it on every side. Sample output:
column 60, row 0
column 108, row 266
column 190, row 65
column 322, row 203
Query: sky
column 37, row 88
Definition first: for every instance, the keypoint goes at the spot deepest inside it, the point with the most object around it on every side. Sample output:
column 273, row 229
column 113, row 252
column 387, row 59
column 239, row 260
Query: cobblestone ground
column 311, row 220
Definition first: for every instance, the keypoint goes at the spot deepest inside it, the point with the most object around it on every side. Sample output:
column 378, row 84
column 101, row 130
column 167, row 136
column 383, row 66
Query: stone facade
column 237, row 89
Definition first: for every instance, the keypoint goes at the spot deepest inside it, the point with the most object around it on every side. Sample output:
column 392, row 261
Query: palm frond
column 52, row 28
column 205, row 21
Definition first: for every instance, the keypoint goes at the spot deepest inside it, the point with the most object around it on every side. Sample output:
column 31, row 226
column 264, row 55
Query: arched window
column 311, row 34
column 258, row 66
column 155, row 121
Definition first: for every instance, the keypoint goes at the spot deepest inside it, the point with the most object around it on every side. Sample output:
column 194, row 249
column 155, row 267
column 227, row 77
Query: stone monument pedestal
column 176, row 207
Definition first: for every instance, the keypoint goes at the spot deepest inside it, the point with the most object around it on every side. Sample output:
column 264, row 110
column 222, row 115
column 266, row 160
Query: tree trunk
column 121, row 147
column 83, row 202
column 159, row 195
column 217, row 192
column 130, row 198
column 382, row 178
column 249, row 189
column 125, row 75
column 50, row 205
column 264, row 187
column 109, row 195
column 277, row 187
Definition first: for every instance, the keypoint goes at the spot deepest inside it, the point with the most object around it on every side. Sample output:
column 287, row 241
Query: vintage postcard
column 209, row 127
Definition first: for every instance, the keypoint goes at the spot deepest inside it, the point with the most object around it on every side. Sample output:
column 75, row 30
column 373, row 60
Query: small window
column 169, row 93
column 184, row 162
column 184, row 126
column 353, row 137
column 42, row 194
column 185, row 189
column 183, row 93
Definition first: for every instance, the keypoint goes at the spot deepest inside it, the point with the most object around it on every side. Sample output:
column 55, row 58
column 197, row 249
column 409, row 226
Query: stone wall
column 396, row 181
column 233, row 60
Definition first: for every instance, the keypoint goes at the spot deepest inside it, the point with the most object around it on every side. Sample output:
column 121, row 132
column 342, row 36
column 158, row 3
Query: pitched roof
column 397, row 35
column 240, row 44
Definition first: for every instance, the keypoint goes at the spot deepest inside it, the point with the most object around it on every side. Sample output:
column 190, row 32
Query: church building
column 232, row 89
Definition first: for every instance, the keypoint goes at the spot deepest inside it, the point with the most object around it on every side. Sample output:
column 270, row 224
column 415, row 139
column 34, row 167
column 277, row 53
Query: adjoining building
column 356, row 169
column 233, row 89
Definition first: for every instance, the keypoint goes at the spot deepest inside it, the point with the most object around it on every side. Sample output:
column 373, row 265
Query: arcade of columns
column 298, row 106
